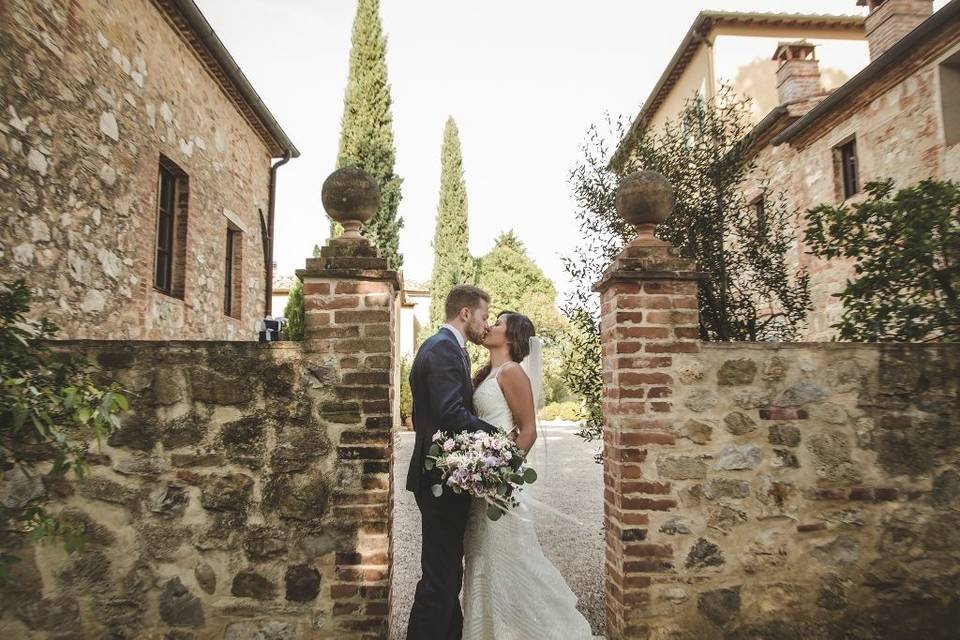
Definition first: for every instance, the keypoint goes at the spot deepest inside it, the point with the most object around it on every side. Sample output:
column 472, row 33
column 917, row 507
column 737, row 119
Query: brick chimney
column 890, row 20
column 798, row 72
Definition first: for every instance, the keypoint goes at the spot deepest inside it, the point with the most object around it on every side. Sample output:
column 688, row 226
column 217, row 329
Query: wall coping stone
column 380, row 275
column 627, row 275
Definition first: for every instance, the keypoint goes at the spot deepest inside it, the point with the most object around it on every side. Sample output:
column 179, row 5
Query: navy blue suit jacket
column 442, row 398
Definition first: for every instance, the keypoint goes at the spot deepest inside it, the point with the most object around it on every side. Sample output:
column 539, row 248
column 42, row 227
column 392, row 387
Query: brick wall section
column 350, row 323
column 649, row 315
column 92, row 93
column 893, row 19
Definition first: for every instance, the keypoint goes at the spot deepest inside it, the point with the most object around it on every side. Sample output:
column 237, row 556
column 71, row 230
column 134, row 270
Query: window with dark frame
column 170, row 247
column 847, row 168
column 950, row 98
column 166, row 214
column 233, row 273
column 228, row 273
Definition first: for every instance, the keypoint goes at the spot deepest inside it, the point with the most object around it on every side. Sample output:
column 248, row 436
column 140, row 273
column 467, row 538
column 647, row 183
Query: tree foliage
column 366, row 128
column 50, row 410
column 294, row 312
column 516, row 283
column 750, row 292
column 905, row 248
column 452, row 264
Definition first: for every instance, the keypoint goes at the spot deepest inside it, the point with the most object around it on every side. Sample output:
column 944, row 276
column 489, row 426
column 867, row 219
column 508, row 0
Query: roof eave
column 701, row 28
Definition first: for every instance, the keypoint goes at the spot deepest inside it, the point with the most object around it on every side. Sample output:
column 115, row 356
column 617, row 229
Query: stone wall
column 91, row 94
column 898, row 125
column 808, row 491
column 764, row 490
column 236, row 502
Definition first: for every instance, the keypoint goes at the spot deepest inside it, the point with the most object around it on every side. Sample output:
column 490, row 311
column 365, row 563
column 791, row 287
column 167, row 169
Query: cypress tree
column 451, row 255
column 366, row 128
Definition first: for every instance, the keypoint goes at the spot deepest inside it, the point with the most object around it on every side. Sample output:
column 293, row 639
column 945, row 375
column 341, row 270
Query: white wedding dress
column 510, row 590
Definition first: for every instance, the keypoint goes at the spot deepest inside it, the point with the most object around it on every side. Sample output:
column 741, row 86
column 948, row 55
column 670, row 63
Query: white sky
column 522, row 78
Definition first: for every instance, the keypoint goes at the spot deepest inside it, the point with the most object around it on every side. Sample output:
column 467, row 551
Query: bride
column 510, row 590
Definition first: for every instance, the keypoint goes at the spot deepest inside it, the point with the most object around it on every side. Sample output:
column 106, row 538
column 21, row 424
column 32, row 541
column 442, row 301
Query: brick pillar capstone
column 349, row 328
column 648, row 313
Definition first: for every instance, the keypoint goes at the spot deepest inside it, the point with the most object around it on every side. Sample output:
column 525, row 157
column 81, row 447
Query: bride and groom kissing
column 510, row 590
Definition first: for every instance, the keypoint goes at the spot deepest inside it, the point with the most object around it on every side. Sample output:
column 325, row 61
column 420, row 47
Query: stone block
column 799, row 394
column 250, row 584
column 700, row 400
column 842, row 550
column 783, row 434
column 244, row 441
column 168, row 500
column 230, row 492
column 726, row 488
column 178, row 607
column 696, row 431
column 18, row 489
column 735, row 457
column 681, row 468
column 206, row 577
column 704, row 553
column 184, row 431
column 302, row 583
column 263, row 543
column 738, row 423
column 738, row 371
column 832, row 461
column 720, row 606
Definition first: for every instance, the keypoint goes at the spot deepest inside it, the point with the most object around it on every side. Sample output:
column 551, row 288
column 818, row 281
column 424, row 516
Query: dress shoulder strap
column 496, row 376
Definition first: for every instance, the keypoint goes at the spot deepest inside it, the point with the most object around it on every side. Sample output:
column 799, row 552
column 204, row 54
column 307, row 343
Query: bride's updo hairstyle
column 519, row 331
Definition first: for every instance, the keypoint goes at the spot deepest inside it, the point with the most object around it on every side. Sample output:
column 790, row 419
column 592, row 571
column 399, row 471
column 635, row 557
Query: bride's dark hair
column 519, row 331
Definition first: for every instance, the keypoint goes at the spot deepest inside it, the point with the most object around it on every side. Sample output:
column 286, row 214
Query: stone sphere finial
column 351, row 197
column 644, row 199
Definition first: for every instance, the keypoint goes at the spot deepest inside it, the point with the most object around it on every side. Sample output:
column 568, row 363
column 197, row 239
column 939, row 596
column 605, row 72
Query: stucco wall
column 91, row 93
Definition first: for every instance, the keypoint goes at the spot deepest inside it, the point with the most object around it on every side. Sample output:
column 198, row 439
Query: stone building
column 135, row 171
column 898, row 117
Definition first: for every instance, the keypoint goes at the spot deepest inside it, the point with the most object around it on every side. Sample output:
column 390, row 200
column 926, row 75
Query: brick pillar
column 349, row 325
column 648, row 313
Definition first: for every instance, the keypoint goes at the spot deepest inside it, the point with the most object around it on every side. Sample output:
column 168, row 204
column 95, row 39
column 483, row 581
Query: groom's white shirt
column 456, row 332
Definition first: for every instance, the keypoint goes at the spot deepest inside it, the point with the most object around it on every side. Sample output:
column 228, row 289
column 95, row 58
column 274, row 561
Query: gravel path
column 569, row 481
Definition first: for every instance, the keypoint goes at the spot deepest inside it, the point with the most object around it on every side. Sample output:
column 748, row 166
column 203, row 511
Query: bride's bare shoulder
column 512, row 374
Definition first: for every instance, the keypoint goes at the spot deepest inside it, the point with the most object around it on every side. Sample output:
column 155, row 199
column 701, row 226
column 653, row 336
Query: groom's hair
column 464, row 295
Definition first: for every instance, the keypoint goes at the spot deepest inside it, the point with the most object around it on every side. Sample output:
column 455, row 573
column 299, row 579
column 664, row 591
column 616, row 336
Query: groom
column 443, row 401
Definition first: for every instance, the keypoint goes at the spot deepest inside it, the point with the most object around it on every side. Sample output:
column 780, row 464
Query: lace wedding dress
column 510, row 590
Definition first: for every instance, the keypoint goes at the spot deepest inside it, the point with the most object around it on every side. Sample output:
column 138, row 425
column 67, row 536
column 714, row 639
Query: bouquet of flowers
column 486, row 466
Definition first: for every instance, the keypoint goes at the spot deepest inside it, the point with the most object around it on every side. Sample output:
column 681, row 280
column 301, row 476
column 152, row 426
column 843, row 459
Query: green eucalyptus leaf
column 494, row 512
column 437, row 490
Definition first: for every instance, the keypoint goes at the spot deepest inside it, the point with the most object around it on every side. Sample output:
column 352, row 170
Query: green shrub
column 550, row 412
column 48, row 404
column 406, row 393
column 570, row 411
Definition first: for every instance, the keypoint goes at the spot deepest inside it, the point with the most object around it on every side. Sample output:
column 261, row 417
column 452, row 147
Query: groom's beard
column 474, row 336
